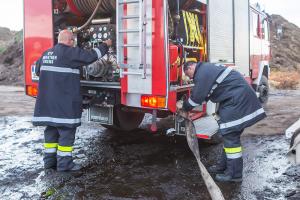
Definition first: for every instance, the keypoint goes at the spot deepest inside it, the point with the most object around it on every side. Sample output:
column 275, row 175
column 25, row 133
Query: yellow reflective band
column 50, row 145
column 65, row 149
column 192, row 26
column 233, row 150
column 199, row 35
column 186, row 26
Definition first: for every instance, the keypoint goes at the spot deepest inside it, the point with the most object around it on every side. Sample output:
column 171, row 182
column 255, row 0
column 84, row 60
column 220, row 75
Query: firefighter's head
column 66, row 37
column 189, row 69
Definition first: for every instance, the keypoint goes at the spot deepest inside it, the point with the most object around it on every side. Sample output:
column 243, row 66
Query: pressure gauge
column 100, row 28
column 100, row 35
column 92, row 29
column 105, row 35
column 104, row 28
column 95, row 35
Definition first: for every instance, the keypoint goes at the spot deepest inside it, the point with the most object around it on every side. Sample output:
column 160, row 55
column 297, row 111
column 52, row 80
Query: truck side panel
column 220, row 29
column 133, row 86
column 241, row 37
column 38, row 33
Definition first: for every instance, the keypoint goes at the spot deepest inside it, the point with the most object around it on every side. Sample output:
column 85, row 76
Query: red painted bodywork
column 38, row 37
column 38, row 33
column 255, row 62
column 74, row 8
column 159, row 72
column 159, row 69
column 124, row 80
column 172, row 101
column 174, row 71
column 256, row 59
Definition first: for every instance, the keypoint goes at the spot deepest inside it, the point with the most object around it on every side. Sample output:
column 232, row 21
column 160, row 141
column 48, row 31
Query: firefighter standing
column 59, row 101
column 239, row 108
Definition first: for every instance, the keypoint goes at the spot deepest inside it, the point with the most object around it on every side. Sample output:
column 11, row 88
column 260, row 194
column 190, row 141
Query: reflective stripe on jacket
column 239, row 106
column 59, row 101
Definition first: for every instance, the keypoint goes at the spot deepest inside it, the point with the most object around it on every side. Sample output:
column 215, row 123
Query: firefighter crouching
column 59, row 101
column 239, row 108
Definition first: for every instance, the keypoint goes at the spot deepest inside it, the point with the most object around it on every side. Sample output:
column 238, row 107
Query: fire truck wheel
column 125, row 120
column 263, row 90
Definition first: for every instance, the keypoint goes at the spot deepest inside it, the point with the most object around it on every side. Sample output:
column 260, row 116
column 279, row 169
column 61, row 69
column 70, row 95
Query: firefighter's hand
column 183, row 114
column 179, row 105
column 180, row 111
column 108, row 42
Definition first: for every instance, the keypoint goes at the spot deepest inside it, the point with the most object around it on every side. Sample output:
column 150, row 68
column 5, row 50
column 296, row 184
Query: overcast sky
column 289, row 9
column 11, row 11
column 11, row 14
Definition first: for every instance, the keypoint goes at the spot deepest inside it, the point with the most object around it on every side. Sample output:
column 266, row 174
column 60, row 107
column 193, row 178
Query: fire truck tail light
column 31, row 90
column 153, row 101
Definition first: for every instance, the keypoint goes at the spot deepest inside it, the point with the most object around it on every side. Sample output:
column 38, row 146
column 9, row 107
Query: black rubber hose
column 91, row 17
column 86, row 7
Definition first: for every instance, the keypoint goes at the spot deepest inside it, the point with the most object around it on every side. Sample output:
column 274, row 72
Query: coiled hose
column 93, row 7
column 87, row 7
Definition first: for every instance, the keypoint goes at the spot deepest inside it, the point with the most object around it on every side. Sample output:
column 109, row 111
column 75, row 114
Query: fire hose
column 212, row 187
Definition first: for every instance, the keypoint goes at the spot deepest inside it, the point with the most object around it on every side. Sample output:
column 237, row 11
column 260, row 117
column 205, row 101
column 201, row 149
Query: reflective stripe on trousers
column 233, row 153
column 64, row 151
column 50, row 147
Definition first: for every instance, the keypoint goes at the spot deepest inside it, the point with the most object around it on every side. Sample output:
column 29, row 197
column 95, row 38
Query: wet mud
column 143, row 165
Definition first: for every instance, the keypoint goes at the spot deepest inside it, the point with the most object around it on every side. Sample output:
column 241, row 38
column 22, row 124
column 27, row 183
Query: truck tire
column 263, row 90
column 125, row 120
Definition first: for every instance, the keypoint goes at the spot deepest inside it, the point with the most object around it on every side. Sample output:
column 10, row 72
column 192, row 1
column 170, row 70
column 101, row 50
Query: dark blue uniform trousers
column 232, row 159
column 58, row 145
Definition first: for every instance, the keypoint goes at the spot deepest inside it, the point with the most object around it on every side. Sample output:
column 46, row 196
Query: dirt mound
column 11, row 57
column 5, row 34
column 285, row 49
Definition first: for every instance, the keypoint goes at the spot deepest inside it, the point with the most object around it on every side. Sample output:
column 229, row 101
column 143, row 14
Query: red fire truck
column 142, row 72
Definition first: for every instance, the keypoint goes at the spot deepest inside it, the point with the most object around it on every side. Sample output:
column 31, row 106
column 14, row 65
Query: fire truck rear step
column 205, row 127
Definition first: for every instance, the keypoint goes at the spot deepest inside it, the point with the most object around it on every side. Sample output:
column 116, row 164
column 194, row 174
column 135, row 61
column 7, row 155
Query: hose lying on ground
column 212, row 187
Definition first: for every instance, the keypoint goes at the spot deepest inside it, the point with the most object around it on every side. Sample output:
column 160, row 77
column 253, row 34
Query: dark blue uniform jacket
column 239, row 106
column 59, row 101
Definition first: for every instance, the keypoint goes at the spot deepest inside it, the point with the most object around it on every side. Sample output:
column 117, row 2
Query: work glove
column 108, row 42
column 179, row 104
column 180, row 111
column 86, row 103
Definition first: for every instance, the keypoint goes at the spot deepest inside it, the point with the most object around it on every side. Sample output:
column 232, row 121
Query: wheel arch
column 264, row 70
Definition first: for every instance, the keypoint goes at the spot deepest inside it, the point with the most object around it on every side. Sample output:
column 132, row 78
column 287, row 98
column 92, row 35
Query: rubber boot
column 50, row 161
column 74, row 168
column 234, row 171
column 65, row 163
column 220, row 167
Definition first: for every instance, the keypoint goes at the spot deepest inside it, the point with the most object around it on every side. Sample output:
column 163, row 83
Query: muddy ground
column 142, row 165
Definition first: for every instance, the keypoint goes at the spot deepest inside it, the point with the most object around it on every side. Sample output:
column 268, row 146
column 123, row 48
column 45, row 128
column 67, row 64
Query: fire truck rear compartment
column 186, row 33
column 100, row 80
